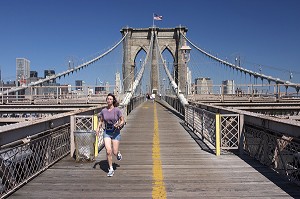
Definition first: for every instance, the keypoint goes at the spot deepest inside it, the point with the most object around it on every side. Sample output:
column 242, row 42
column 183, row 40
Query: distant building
column 22, row 71
column 33, row 74
column 65, row 89
column 33, row 77
column 100, row 90
column 78, row 85
column 228, row 87
column 8, row 85
column 49, row 89
column 203, row 85
column 48, row 73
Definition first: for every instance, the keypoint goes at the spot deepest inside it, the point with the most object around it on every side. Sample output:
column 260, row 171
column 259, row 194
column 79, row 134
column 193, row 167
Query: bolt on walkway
column 161, row 159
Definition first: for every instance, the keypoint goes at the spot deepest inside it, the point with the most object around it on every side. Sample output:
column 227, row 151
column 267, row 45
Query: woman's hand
column 119, row 125
column 98, row 131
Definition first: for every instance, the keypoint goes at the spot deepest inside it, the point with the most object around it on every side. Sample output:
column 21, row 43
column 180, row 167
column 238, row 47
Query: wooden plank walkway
column 160, row 161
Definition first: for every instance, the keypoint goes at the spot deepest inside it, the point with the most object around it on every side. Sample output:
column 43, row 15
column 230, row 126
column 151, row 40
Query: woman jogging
column 113, row 120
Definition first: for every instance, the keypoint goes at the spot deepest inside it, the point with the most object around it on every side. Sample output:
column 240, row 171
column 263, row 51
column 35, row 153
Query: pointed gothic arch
column 168, row 38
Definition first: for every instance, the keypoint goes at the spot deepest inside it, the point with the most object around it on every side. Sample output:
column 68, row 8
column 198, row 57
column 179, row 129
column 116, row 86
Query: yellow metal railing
column 218, row 136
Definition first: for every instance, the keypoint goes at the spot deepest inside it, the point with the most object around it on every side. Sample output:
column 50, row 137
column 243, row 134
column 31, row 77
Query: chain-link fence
column 84, row 137
column 85, row 145
column 20, row 163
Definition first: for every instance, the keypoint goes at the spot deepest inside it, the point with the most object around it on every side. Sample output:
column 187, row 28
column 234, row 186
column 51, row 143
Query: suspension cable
column 180, row 96
column 136, row 82
column 250, row 72
column 53, row 77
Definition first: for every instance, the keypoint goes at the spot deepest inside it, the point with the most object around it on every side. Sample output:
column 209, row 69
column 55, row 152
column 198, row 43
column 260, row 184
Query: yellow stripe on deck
column 158, row 186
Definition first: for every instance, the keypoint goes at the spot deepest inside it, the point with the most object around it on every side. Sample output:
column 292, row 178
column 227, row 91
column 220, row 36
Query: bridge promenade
column 162, row 158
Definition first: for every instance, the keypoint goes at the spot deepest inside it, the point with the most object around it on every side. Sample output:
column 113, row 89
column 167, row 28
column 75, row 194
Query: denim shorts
column 113, row 135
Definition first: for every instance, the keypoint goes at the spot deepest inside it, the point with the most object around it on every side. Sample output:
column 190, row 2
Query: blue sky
column 48, row 33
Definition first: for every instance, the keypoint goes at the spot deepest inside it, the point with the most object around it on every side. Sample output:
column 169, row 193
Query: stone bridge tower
column 139, row 39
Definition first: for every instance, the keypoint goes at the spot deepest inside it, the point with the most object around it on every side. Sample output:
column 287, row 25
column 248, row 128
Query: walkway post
column 218, row 133
column 95, row 126
column 72, row 139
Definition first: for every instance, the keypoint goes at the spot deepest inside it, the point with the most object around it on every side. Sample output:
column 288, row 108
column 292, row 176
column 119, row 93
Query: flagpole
column 153, row 20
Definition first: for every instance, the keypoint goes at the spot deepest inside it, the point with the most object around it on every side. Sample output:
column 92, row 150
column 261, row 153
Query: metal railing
column 244, row 92
column 201, row 122
column 23, row 162
column 175, row 103
column 134, row 102
column 230, row 131
column 273, row 142
column 206, row 124
column 29, row 148
column 280, row 152
column 47, row 94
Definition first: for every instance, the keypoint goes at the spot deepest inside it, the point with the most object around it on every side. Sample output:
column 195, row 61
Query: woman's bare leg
column 108, row 147
column 116, row 144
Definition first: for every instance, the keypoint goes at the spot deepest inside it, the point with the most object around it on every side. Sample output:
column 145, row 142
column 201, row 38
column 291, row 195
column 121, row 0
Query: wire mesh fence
column 21, row 163
column 84, row 137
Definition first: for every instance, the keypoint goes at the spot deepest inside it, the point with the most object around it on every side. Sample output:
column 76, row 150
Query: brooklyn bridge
column 239, row 137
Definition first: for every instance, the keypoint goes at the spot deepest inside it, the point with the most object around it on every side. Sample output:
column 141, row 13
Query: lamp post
column 185, row 55
column 260, row 69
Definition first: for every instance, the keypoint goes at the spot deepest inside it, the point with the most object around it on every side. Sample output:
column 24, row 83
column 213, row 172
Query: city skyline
column 50, row 34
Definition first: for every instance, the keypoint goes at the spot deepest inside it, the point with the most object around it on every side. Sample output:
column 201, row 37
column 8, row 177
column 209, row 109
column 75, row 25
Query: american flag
column 157, row 17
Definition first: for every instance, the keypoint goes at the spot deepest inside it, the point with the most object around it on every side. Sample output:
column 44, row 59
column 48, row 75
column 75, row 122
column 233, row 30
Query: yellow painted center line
column 158, row 186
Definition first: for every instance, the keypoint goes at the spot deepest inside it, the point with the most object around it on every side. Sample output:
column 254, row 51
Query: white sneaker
column 119, row 156
column 110, row 172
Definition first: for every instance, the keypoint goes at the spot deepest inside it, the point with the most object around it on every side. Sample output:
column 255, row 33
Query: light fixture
column 185, row 51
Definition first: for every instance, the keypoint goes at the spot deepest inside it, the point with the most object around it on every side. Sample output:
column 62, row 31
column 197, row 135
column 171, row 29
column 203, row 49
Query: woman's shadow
column 103, row 164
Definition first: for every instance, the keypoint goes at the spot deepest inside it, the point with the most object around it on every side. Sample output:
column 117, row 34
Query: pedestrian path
column 161, row 159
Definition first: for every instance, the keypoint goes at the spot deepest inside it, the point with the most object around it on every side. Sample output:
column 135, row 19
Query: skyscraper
column 22, row 71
